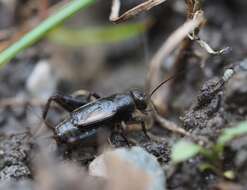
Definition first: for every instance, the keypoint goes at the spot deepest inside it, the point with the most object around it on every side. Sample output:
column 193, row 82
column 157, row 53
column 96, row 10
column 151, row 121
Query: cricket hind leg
column 70, row 103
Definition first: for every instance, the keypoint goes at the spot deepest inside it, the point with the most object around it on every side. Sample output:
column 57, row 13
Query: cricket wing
column 94, row 112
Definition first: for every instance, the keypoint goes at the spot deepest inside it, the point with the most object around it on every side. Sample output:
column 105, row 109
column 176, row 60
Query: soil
column 199, row 105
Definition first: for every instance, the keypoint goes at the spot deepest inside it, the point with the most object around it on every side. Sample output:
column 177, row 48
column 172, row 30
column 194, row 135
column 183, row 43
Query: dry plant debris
column 154, row 75
column 116, row 4
column 217, row 106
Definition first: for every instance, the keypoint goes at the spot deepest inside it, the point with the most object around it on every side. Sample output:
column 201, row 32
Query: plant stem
column 37, row 33
column 185, row 52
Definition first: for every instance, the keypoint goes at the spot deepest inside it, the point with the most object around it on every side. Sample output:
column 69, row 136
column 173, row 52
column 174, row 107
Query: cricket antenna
column 162, row 83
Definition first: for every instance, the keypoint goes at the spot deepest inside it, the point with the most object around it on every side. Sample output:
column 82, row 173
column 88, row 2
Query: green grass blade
column 96, row 35
column 37, row 33
column 231, row 133
column 184, row 150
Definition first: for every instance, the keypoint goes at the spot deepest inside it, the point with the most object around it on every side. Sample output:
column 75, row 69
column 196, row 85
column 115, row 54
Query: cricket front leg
column 140, row 120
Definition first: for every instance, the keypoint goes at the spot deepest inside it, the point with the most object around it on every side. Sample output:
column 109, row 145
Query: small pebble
column 19, row 112
column 243, row 65
column 42, row 81
column 135, row 156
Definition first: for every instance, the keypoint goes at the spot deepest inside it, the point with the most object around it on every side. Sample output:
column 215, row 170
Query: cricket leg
column 69, row 103
column 119, row 130
column 123, row 133
column 140, row 120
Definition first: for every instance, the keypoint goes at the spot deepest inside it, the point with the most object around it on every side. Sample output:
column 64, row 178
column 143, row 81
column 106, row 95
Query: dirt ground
column 196, row 102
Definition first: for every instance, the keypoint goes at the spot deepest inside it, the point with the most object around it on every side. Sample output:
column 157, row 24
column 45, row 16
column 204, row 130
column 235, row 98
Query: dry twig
column 194, row 37
column 168, row 46
column 171, row 126
column 154, row 76
column 116, row 4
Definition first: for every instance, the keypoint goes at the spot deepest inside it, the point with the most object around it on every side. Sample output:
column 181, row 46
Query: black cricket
column 86, row 118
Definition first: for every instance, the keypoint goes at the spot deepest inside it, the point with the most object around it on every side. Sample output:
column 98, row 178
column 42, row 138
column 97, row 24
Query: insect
column 85, row 119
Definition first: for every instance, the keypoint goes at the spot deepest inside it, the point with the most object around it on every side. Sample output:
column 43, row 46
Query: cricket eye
column 140, row 99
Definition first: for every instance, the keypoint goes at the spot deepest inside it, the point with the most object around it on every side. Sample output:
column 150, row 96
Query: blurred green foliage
column 96, row 35
column 43, row 28
column 183, row 150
